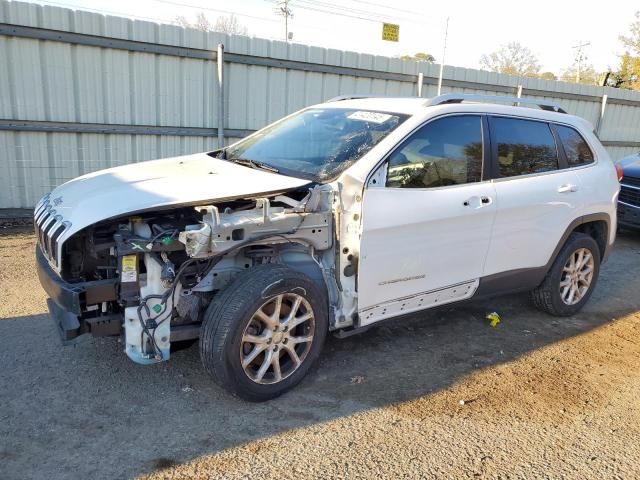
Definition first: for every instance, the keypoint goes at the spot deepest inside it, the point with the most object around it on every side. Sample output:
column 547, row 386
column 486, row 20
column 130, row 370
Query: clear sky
column 548, row 27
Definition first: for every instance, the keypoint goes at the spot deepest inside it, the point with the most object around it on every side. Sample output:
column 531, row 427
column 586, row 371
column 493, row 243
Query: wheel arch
column 299, row 259
column 596, row 225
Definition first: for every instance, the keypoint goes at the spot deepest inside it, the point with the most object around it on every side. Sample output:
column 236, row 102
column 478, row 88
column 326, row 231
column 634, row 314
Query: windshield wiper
column 254, row 164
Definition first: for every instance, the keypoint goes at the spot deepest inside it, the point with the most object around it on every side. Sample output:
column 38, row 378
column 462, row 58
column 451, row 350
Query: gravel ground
column 441, row 394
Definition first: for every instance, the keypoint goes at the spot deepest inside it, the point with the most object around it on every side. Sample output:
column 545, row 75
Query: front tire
column 263, row 332
column 571, row 279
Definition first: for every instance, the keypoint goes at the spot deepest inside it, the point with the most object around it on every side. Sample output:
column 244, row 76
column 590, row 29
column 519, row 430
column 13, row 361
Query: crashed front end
column 149, row 275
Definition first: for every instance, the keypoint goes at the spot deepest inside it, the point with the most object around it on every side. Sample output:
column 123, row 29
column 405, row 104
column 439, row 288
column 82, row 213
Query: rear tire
column 571, row 279
column 262, row 333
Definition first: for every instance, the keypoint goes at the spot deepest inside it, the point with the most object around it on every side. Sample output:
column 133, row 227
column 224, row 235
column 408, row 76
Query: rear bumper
column 68, row 301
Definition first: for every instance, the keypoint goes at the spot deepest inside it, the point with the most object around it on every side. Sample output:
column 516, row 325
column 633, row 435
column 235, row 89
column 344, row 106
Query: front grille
column 48, row 226
column 629, row 194
column 632, row 181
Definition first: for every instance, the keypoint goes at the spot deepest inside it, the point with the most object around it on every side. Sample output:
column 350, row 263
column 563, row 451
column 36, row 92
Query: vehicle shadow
column 87, row 411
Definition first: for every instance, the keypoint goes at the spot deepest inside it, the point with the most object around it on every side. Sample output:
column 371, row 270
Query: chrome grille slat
column 54, row 237
column 629, row 195
column 41, row 215
column 44, row 201
column 631, row 181
column 52, row 229
column 49, row 226
column 41, row 238
column 48, row 223
column 38, row 209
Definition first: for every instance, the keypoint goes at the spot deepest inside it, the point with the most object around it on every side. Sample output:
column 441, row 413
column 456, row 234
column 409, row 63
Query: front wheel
column 571, row 279
column 263, row 332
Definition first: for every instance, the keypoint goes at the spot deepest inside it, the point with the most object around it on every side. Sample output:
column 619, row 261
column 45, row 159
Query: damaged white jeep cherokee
column 331, row 219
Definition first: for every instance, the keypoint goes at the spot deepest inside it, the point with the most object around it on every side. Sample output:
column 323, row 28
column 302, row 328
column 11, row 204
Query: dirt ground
column 438, row 395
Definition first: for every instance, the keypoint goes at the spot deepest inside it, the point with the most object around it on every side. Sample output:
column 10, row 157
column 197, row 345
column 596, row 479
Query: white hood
column 189, row 180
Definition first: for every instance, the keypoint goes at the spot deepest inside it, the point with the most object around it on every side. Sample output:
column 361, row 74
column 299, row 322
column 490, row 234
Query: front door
column 426, row 232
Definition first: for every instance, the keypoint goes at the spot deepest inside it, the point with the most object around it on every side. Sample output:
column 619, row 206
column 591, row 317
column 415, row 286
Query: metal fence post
column 220, row 60
column 518, row 94
column 603, row 107
column 420, row 82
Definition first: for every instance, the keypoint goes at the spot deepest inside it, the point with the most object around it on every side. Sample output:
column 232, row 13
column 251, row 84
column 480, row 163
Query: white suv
column 332, row 219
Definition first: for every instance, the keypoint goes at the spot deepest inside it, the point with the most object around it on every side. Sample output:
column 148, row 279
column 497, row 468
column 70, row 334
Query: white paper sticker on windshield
column 373, row 117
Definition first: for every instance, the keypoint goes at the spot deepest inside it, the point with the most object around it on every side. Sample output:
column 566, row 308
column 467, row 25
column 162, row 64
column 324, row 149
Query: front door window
column 447, row 151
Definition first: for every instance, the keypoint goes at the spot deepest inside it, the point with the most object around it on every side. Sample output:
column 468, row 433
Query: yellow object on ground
column 494, row 318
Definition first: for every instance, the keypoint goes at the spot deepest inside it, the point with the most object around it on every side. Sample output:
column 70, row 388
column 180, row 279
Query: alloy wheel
column 277, row 338
column 577, row 275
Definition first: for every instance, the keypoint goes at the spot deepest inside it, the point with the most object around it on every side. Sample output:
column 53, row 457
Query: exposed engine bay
column 158, row 271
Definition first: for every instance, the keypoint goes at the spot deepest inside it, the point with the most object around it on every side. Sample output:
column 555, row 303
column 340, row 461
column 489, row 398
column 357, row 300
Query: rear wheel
column 571, row 279
column 263, row 332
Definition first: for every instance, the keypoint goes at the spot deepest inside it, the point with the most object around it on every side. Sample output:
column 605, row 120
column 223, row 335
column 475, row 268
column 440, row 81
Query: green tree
column 512, row 59
column 419, row 57
column 628, row 74
column 548, row 76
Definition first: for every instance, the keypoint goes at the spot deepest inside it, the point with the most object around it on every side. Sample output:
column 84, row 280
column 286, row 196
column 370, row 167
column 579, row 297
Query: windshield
column 316, row 143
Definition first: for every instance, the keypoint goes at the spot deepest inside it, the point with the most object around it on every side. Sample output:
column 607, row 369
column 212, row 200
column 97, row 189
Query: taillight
column 619, row 172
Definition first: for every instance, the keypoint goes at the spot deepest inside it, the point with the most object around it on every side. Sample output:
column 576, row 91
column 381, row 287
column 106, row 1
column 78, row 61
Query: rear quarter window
column 575, row 147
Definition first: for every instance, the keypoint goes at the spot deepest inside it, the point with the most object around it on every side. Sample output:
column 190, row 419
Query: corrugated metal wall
column 90, row 79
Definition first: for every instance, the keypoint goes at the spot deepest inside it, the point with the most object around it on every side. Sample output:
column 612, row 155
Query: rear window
column 524, row 146
column 575, row 147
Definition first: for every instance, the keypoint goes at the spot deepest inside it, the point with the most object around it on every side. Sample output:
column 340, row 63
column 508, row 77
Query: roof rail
column 356, row 96
column 472, row 97
column 340, row 98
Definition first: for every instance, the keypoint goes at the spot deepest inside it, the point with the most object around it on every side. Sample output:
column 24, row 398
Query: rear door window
column 523, row 146
column 575, row 147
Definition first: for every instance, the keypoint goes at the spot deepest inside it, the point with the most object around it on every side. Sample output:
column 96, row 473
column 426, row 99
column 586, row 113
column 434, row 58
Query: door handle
column 477, row 202
column 567, row 188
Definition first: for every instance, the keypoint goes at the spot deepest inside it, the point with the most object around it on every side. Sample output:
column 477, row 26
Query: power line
column 218, row 10
column 412, row 12
column 349, row 12
column 164, row 21
column 102, row 11
column 328, row 5
column 357, row 13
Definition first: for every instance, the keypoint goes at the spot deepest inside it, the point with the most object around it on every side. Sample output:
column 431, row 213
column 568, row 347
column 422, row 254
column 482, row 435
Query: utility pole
column 282, row 9
column 580, row 57
column 444, row 51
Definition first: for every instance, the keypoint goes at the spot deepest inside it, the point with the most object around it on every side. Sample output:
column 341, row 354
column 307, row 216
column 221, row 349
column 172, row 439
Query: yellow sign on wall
column 390, row 32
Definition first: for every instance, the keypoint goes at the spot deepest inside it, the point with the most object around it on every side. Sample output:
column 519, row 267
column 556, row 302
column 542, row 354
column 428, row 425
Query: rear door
column 426, row 232
column 536, row 197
